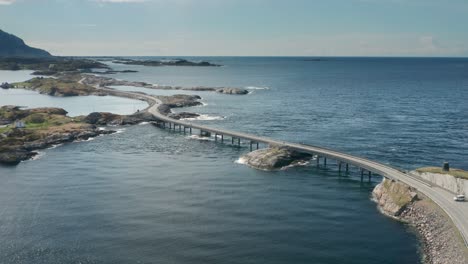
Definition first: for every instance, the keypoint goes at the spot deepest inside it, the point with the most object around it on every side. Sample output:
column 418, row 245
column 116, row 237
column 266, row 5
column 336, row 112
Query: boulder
column 228, row 90
column 393, row 196
column 274, row 158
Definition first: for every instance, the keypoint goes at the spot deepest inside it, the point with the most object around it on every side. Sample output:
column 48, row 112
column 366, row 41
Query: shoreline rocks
column 440, row 240
column 15, row 154
column 274, row 158
column 101, row 81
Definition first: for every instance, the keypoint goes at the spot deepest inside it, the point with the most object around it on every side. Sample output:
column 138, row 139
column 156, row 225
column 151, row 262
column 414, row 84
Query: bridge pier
column 339, row 166
column 347, row 167
column 204, row 133
column 362, row 174
column 190, row 130
column 238, row 142
column 318, row 160
column 222, row 138
column 216, row 137
column 232, row 140
column 252, row 143
column 370, row 175
column 324, row 161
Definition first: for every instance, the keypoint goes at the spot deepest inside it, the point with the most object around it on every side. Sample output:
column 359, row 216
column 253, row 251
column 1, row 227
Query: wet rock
column 13, row 157
column 273, row 158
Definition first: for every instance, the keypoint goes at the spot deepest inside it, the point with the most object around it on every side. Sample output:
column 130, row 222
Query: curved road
column 458, row 211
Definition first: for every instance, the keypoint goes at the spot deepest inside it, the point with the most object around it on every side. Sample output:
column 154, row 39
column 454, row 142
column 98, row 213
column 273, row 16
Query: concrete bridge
column 457, row 211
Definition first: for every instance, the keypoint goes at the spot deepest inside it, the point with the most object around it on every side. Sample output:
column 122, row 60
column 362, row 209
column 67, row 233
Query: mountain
column 12, row 46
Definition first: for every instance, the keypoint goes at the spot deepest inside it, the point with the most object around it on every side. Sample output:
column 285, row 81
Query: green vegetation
column 56, row 87
column 34, row 119
column 457, row 173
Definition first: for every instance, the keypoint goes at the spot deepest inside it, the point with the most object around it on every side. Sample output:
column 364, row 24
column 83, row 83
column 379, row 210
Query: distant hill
column 12, row 46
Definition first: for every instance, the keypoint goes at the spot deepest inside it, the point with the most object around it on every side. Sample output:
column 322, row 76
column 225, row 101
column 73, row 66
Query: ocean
column 147, row 195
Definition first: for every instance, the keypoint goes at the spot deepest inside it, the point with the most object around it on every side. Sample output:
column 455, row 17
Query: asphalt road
column 457, row 211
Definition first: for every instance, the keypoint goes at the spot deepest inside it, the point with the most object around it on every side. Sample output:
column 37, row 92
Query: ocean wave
column 241, row 160
column 120, row 130
column 84, row 140
column 197, row 137
column 55, row 146
column 205, row 118
column 39, row 155
column 257, row 87
column 300, row 163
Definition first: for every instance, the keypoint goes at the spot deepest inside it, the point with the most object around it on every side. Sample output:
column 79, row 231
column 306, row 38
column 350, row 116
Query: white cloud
column 7, row 2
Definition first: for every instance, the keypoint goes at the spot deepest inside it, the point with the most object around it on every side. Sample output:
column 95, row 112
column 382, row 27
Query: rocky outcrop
column 5, row 85
column 103, row 118
column 393, row 197
column 178, row 62
column 101, row 81
column 176, row 101
column 273, row 158
column 183, row 115
column 13, row 157
column 232, row 91
column 23, row 148
column 441, row 241
column 44, row 127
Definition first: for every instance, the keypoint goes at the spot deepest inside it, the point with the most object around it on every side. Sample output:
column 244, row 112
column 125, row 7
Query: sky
column 241, row 27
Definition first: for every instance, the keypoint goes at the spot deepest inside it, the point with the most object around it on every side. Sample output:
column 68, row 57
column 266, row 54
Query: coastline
column 153, row 102
column 440, row 240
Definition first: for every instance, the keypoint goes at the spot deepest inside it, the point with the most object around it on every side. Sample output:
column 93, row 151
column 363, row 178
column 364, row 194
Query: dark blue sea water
column 152, row 196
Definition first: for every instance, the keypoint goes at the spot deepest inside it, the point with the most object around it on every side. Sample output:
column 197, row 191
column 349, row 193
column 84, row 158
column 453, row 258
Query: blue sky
column 241, row 27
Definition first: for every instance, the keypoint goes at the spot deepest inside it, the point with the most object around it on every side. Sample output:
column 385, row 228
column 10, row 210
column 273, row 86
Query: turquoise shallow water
column 152, row 196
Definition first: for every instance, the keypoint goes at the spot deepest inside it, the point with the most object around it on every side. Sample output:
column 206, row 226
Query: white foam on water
column 120, row 130
column 55, row 146
column 205, row 118
column 257, row 88
column 300, row 163
column 241, row 160
column 39, row 155
column 197, row 137
column 85, row 140
column 143, row 123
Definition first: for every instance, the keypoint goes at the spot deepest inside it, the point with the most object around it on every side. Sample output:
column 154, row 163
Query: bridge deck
column 458, row 212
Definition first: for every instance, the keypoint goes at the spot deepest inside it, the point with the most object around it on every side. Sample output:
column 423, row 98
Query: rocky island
column 274, row 158
column 100, row 81
column 177, row 62
column 24, row 131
